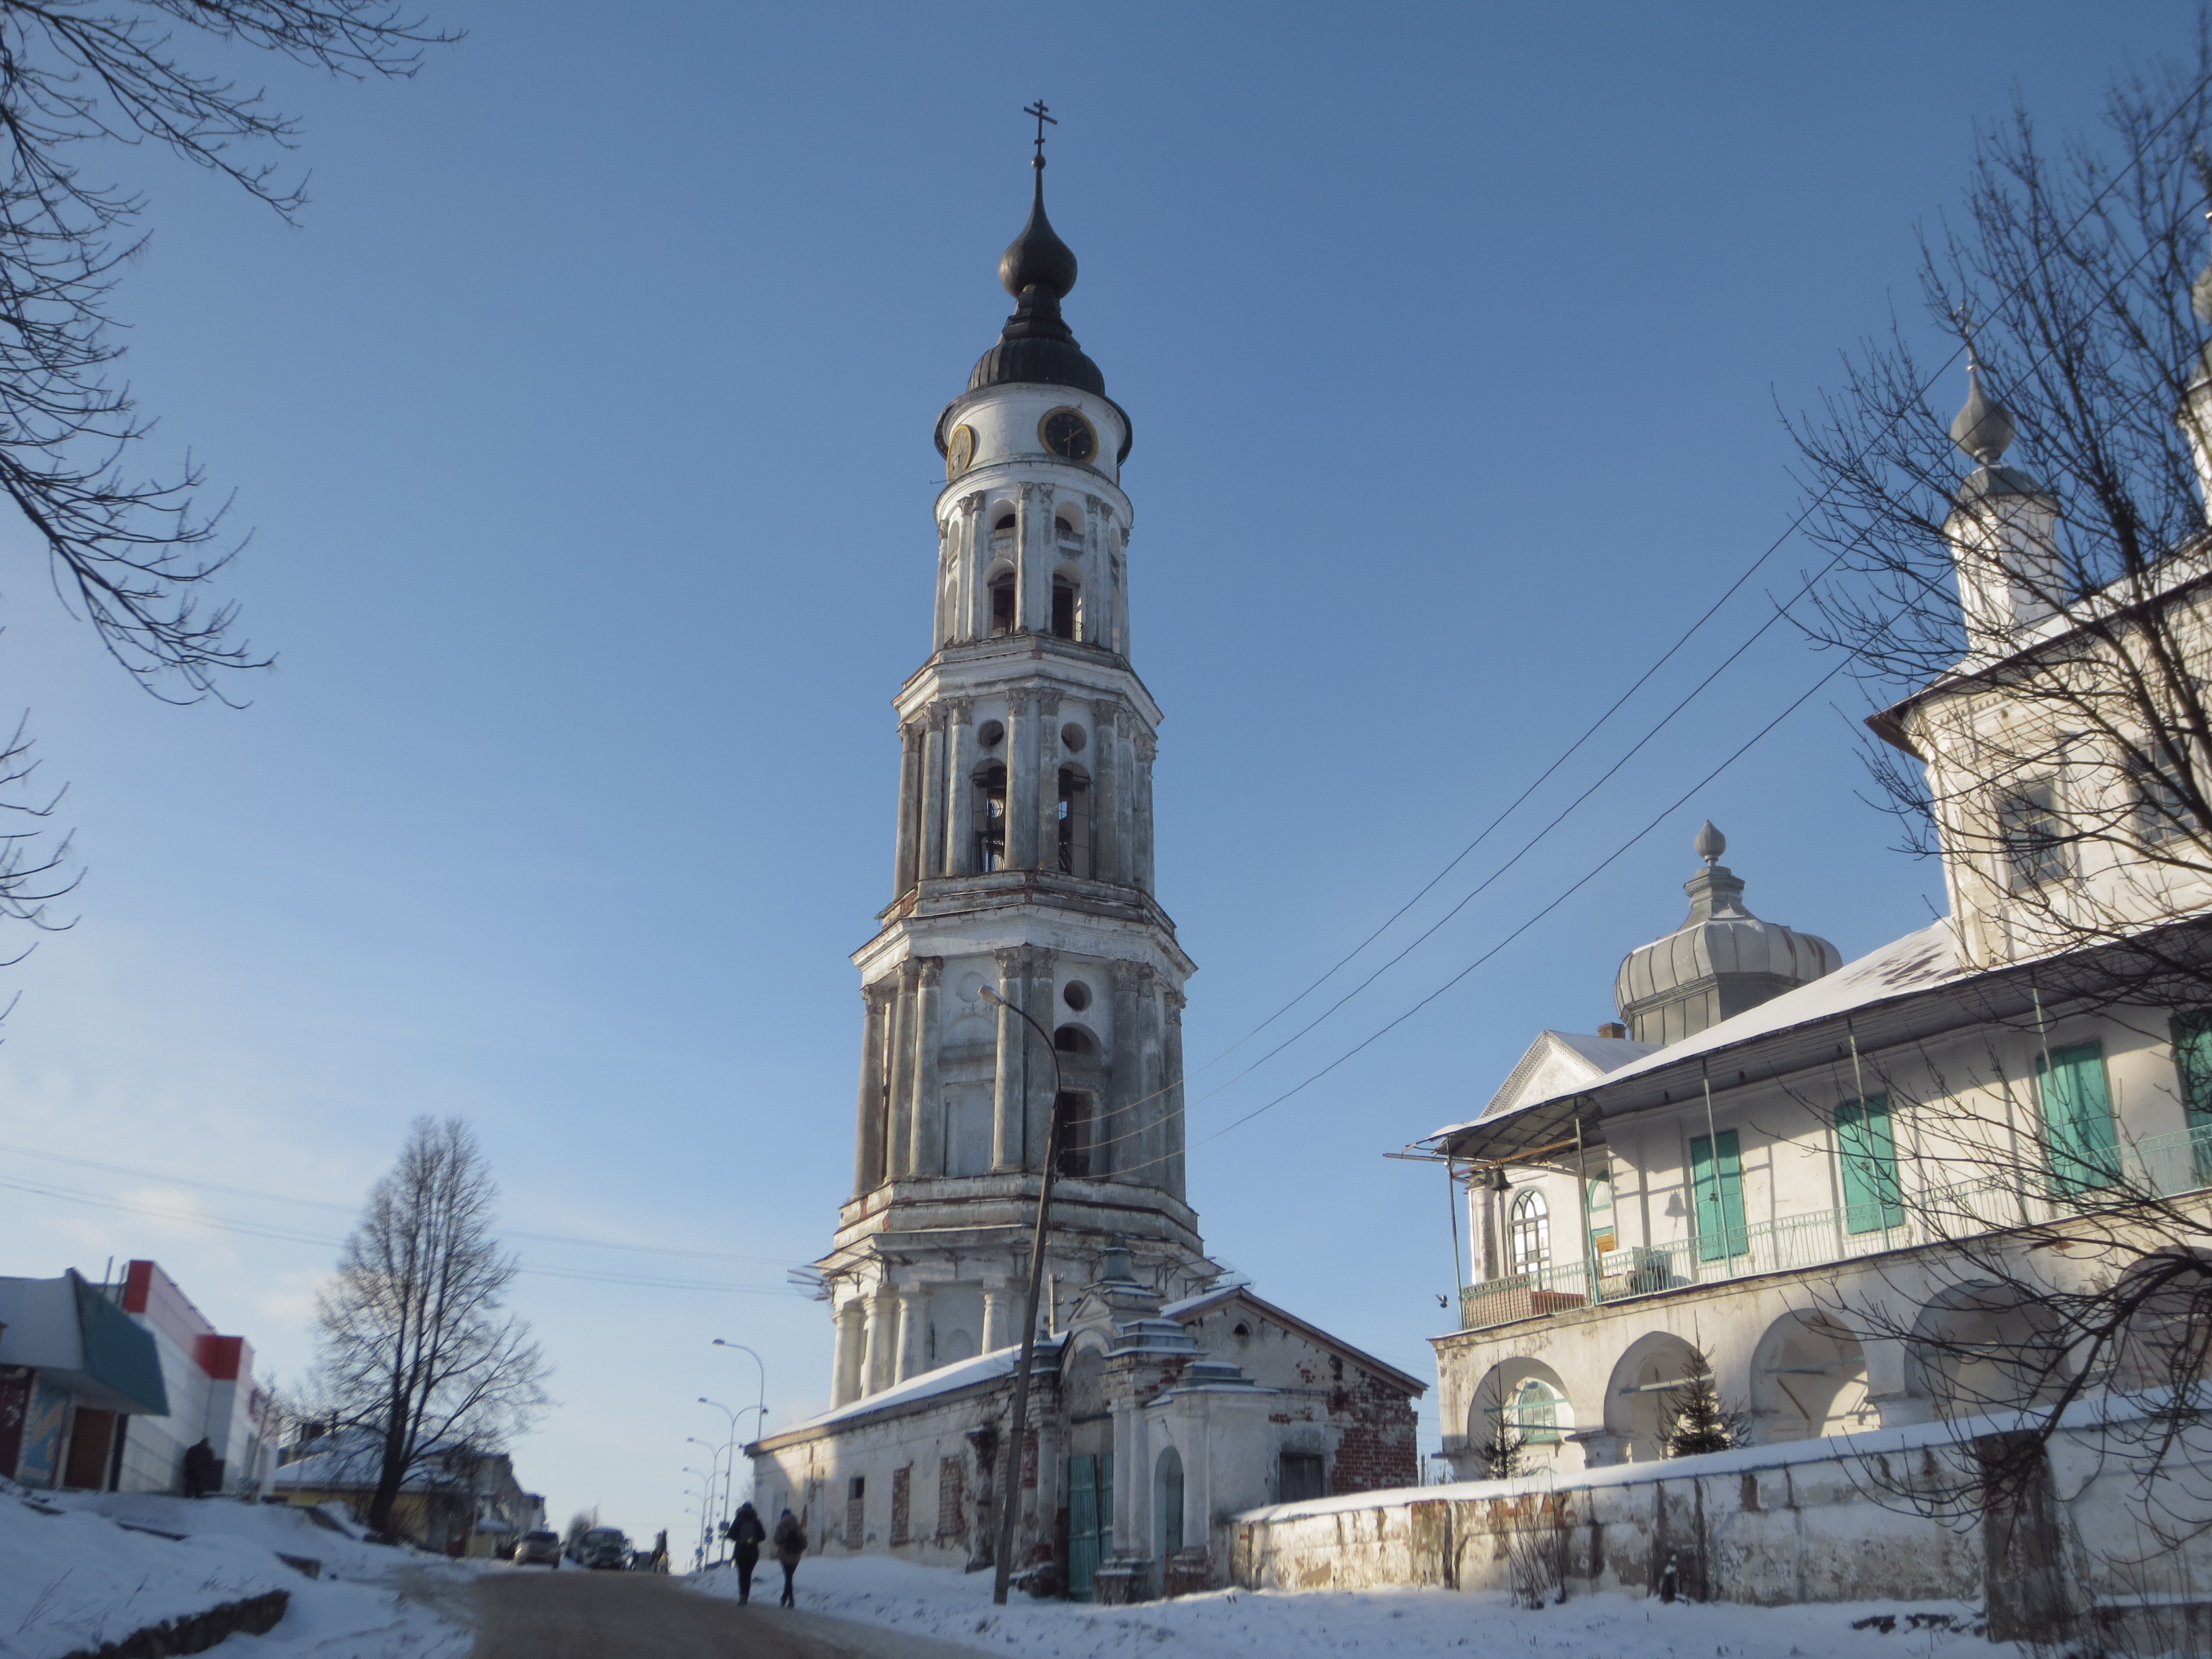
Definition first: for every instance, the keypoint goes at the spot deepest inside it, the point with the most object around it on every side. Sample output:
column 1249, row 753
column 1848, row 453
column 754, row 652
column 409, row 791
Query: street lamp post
column 1010, row 1480
column 760, row 1426
column 728, row 1447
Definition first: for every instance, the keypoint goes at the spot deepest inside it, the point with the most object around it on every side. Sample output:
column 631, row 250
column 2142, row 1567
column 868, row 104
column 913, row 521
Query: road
column 530, row 1613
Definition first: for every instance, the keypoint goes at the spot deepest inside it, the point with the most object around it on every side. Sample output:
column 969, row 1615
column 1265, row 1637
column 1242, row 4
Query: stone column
column 875, row 1342
column 1142, row 811
column 902, row 1078
column 1121, row 555
column 1036, row 998
column 932, row 794
column 1046, row 809
column 1098, row 627
column 1150, row 1117
column 912, row 1326
column 1021, row 780
column 1127, row 1108
column 1105, row 792
column 851, row 1352
column 1125, row 799
column 1034, row 554
column 868, row 1159
column 1171, row 1127
column 927, row 1155
column 959, row 789
column 1000, row 1305
column 948, row 583
column 1006, row 1093
column 903, row 863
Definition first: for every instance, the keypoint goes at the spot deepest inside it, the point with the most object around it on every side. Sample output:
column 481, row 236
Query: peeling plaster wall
column 1749, row 1526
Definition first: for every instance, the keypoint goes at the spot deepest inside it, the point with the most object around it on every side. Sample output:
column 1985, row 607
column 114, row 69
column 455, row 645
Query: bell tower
column 1023, row 863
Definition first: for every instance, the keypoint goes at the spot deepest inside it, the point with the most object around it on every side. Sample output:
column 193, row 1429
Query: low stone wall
column 196, row 1633
column 1809, row 1521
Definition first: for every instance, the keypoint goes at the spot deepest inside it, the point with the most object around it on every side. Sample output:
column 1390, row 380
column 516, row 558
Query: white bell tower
column 1023, row 863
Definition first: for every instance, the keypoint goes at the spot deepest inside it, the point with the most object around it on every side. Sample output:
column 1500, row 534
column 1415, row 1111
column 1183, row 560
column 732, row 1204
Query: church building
column 1025, row 970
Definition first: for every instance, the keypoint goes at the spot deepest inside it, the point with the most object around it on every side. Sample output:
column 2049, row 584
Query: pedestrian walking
column 790, row 1544
column 199, row 1469
column 747, row 1535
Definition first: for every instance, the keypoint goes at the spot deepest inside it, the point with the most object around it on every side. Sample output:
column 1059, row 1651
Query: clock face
column 1068, row 435
column 959, row 451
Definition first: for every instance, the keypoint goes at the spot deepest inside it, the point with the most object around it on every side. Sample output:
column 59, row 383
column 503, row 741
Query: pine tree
column 1701, row 1423
column 1500, row 1451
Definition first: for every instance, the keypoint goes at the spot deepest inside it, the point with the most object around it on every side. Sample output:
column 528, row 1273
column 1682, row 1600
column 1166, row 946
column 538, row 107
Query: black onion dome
column 1037, row 257
column 1037, row 347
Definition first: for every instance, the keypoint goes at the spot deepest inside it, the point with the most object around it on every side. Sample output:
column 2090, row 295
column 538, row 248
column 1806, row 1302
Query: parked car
column 538, row 1549
column 604, row 1548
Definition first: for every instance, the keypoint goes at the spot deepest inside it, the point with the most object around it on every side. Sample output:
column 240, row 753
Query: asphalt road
column 531, row 1613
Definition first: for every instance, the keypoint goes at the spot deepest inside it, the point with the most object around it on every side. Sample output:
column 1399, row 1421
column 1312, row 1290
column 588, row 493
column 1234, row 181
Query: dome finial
column 1037, row 259
column 1984, row 427
column 1711, row 843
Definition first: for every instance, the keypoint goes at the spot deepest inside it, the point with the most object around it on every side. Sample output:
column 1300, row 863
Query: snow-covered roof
column 1920, row 961
column 1558, row 1061
column 1194, row 1307
column 946, row 1379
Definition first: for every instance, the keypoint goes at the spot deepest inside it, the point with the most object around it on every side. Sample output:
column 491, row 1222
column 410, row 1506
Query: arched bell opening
column 1079, row 850
column 1066, row 606
column 1086, row 1151
column 1004, row 619
column 989, row 783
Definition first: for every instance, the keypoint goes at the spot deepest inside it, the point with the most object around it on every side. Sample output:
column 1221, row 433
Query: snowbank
column 78, row 1569
column 954, row 1607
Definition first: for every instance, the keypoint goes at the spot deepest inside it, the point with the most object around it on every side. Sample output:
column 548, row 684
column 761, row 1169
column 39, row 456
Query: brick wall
column 902, row 1503
column 1379, row 1448
column 952, row 1505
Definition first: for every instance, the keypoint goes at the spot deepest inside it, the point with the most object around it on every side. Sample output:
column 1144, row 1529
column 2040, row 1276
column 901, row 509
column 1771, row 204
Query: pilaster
column 1047, row 807
column 1021, row 778
column 901, row 1076
column 1014, row 1037
column 1146, row 748
column 903, row 858
column 1172, row 1124
column 959, row 790
column 927, row 1157
column 868, row 1157
column 1105, row 790
column 933, row 793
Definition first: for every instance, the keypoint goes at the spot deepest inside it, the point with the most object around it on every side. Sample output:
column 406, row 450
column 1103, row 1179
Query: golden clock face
column 1068, row 435
column 959, row 451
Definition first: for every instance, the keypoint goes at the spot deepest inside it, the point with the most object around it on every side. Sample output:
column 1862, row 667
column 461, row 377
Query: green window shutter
column 2077, row 1118
column 2192, row 1061
column 1721, row 1230
column 1868, row 1152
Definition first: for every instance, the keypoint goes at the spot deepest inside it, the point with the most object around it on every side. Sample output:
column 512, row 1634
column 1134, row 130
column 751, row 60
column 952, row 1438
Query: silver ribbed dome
column 1718, row 963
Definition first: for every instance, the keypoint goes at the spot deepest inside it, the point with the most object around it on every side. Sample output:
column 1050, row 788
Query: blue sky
column 584, row 430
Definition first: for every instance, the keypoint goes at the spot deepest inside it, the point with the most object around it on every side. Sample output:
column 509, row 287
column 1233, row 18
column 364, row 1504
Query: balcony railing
column 2083, row 1179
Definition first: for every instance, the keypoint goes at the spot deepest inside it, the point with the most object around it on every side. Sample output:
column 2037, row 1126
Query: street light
column 760, row 1427
column 725, row 1452
column 1010, row 1482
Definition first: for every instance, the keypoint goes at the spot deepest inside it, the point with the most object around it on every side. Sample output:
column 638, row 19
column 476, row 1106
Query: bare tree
column 2025, row 590
column 131, row 552
column 417, row 1357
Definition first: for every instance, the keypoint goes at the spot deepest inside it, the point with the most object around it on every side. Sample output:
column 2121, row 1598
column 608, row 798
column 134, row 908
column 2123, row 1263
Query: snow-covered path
column 955, row 1606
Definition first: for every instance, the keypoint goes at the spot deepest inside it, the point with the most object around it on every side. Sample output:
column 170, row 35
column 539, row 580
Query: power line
column 1796, row 522
column 288, row 1235
column 354, row 1209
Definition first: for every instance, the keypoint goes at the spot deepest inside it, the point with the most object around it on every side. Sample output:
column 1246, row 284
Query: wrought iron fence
column 2159, row 1166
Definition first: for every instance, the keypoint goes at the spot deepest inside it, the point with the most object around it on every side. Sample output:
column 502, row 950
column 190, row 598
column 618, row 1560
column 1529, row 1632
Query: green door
column 1719, row 1187
column 2077, row 1118
column 2192, row 1059
column 1090, row 1520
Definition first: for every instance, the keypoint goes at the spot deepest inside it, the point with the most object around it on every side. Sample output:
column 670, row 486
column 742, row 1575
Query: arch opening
column 990, row 810
column 1077, row 835
column 1808, row 1379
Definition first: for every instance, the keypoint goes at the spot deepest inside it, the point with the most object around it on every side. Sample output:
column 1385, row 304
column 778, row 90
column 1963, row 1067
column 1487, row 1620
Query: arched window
column 1076, row 837
column 1003, row 620
column 991, row 816
column 1529, row 1233
column 1006, row 522
column 1167, row 1483
column 1075, row 1129
column 1064, row 596
column 1536, row 1413
column 1069, row 530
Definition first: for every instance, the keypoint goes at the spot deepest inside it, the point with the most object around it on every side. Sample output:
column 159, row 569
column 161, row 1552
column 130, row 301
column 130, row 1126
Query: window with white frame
column 2033, row 836
column 1528, row 1232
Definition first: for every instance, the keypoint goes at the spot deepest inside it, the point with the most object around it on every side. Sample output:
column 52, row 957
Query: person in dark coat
column 199, row 1469
column 746, row 1533
column 790, row 1544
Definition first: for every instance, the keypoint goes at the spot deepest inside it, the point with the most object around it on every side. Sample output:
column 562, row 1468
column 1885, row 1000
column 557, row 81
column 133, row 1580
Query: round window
column 1076, row 995
column 989, row 733
column 1072, row 737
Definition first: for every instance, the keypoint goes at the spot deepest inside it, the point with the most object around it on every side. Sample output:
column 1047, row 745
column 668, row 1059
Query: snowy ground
column 954, row 1607
column 71, row 1578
